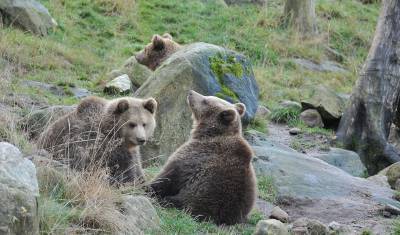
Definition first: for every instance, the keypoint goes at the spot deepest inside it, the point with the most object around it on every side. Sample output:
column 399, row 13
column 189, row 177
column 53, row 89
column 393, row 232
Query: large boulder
column 309, row 187
column 29, row 15
column 329, row 104
column 346, row 160
column 18, row 193
column 207, row 69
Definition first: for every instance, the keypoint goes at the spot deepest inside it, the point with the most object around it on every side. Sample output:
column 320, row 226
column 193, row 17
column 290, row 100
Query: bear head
column 213, row 116
column 131, row 119
column 158, row 50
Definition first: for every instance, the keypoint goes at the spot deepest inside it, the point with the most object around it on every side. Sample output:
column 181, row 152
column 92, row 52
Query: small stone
column 271, row 227
column 262, row 112
column 311, row 118
column 294, row 131
column 80, row 92
column 312, row 226
column 279, row 214
column 119, row 85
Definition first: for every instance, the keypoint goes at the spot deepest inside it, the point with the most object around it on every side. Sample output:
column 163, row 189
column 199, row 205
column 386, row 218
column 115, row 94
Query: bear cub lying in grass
column 211, row 174
column 103, row 133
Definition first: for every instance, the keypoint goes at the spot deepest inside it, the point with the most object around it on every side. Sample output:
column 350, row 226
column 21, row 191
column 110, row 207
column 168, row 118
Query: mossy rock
column 393, row 173
column 207, row 69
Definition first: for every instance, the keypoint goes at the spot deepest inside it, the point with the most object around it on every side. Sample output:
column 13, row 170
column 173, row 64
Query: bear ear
column 241, row 108
column 158, row 42
column 167, row 36
column 151, row 105
column 122, row 106
column 227, row 116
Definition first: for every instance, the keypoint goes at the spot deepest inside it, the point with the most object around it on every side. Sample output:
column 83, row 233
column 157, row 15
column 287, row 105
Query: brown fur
column 157, row 51
column 211, row 175
column 101, row 133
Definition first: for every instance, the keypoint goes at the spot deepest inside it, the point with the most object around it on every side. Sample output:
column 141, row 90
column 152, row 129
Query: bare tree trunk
column 374, row 103
column 300, row 14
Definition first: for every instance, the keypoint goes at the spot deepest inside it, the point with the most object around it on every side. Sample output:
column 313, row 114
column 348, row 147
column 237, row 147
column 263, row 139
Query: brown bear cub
column 103, row 133
column 159, row 49
column 211, row 175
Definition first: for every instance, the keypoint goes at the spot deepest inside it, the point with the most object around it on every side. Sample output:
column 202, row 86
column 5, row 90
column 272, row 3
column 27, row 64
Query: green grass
column 266, row 188
column 288, row 115
column 258, row 124
column 396, row 230
column 174, row 221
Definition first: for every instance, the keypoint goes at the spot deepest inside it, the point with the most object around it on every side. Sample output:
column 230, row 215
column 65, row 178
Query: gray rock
column 380, row 180
column 29, row 15
column 346, row 160
column 262, row 112
column 195, row 67
column 18, row 193
column 311, row 118
column 119, row 85
column 57, row 90
column 336, row 228
column 279, row 214
column 35, row 122
column 290, row 104
column 140, row 214
column 265, row 207
column 294, row 131
column 309, row 187
column 311, row 226
column 325, row 66
column 328, row 104
column 138, row 73
column 80, row 93
column 271, row 227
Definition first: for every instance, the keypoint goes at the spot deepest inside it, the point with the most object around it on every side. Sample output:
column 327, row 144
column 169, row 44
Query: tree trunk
column 300, row 14
column 374, row 104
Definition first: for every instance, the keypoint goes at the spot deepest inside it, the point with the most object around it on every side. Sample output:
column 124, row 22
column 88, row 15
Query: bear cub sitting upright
column 211, row 174
column 103, row 133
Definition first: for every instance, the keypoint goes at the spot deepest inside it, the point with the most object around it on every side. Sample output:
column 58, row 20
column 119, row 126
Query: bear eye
column 204, row 101
column 144, row 124
column 132, row 125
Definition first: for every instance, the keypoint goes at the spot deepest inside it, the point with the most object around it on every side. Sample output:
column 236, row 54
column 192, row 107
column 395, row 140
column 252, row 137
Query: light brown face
column 214, row 116
column 156, row 51
column 137, row 117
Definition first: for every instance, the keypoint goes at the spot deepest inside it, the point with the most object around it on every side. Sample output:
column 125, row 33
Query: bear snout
column 140, row 141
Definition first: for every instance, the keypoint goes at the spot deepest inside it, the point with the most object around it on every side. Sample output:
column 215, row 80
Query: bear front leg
column 165, row 184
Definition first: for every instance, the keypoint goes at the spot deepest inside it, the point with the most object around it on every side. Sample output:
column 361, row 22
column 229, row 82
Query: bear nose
column 140, row 141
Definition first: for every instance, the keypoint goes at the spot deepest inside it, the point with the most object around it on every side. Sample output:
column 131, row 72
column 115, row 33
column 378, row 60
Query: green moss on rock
column 221, row 65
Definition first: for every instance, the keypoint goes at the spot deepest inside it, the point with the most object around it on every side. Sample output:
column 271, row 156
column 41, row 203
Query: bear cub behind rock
column 103, row 133
column 157, row 51
column 211, row 175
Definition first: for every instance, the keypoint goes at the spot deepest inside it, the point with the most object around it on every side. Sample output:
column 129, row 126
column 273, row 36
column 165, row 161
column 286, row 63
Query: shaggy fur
column 102, row 133
column 211, row 175
column 157, row 51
